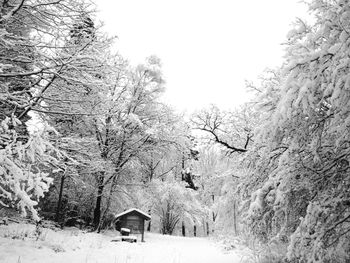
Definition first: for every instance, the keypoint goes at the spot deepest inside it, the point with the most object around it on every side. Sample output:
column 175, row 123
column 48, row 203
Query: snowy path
column 164, row 249
column 96, row 249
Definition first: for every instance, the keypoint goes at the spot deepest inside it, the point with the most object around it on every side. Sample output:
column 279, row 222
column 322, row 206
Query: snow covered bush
column 22, row 164
column 303, row 153
column 173, row 203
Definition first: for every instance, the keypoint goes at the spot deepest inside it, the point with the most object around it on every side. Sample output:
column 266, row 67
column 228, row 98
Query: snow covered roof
column 143, row 214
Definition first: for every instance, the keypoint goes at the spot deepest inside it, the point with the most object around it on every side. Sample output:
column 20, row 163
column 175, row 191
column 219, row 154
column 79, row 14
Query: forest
column 84, row 135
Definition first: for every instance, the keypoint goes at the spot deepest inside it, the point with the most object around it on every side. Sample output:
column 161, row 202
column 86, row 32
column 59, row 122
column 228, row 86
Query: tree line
column 82, row 131
column 290, row 144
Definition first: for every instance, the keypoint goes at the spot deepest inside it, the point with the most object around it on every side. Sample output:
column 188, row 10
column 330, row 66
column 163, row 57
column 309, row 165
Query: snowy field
column 20, row 243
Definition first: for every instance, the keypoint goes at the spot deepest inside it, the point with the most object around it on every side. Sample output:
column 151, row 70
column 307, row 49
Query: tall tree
column 129, row 125
column 34, row 65
column 302, row 160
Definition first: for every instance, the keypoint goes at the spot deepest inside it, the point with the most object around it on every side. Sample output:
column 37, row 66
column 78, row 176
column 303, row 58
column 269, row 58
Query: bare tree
column 231, row 130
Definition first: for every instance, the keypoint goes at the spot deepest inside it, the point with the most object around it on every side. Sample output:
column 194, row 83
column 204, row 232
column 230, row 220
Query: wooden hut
column 133, row 219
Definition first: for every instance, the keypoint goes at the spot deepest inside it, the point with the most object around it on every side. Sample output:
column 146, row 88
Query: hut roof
column 131, row 210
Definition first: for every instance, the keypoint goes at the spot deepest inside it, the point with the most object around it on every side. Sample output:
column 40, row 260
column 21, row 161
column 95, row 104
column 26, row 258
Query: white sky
column 208, row 48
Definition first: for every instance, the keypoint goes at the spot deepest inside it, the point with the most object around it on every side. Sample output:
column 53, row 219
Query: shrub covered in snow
column 301, row 195
column 22, row 180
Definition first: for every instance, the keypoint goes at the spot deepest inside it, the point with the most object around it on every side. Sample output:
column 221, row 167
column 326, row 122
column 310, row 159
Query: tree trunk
column 214, row 218
column 183, row 168
column 108, row 204
column 58, row 209
column 234, row 217
column 149, row 222
column 207, row 228
column 195, row 230
column 97, row 211
column 183, row 229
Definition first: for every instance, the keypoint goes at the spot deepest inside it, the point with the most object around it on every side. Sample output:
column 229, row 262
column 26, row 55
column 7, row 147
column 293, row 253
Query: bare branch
column 12, row 12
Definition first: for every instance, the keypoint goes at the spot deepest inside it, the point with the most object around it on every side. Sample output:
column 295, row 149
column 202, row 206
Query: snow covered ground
column 18, row 244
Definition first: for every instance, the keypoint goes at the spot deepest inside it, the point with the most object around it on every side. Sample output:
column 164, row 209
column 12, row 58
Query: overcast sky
column 208, row 48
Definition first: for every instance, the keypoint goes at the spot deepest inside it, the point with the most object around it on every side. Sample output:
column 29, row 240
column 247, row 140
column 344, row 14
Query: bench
column 131, row 239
